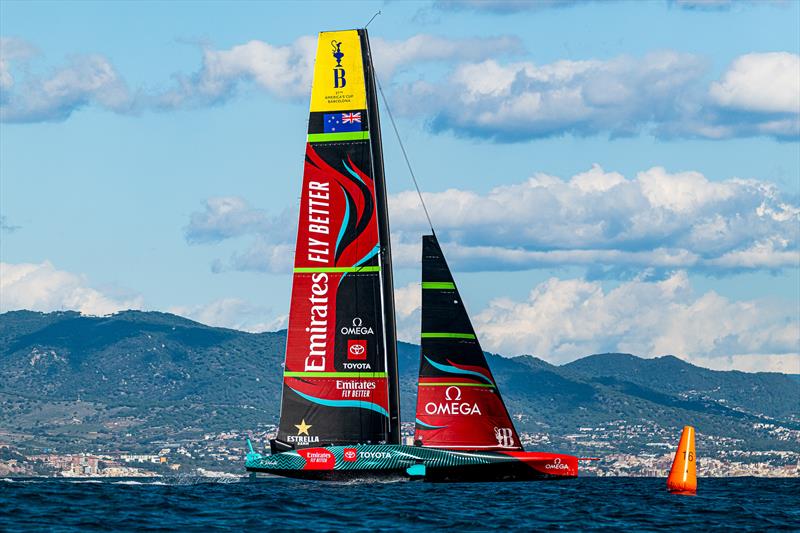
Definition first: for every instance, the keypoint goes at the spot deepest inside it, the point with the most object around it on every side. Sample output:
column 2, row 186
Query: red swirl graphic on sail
column 335, row 375
column 337, row 230
column 340, row 214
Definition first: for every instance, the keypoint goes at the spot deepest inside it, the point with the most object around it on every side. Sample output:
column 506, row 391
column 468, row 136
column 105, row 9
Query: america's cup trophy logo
column 504, row 437
column 338, row 70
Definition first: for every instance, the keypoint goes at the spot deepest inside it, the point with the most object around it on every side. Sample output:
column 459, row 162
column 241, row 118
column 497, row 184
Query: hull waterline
column 412, row 462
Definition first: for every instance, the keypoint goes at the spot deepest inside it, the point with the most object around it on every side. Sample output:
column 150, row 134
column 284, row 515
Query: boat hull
column 412, row 462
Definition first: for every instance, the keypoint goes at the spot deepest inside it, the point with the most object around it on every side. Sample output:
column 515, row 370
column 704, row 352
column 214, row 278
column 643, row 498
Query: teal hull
column 370, row 461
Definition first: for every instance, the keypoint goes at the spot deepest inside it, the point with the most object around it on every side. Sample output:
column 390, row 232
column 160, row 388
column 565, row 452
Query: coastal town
column 615, row 449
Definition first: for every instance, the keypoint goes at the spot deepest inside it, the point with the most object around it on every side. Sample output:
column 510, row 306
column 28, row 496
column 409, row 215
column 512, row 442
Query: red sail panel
column 458, row 403
column 337, row 237
column 335, row 387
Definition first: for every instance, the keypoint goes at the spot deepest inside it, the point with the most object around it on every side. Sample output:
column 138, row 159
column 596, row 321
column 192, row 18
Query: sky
column 602, row 176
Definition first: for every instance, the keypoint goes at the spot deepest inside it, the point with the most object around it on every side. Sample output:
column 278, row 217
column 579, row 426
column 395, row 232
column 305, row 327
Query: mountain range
column 126, row 381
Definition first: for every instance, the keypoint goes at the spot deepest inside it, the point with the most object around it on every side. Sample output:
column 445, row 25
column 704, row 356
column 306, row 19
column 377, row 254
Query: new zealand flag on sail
column 340, row 122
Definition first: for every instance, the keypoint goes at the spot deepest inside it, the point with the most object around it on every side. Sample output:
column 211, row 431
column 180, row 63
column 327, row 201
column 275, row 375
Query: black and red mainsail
column 340, row 376
column 458, row 403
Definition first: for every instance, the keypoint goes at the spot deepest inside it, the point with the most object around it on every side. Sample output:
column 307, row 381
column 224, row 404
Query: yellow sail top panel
column 338, row 73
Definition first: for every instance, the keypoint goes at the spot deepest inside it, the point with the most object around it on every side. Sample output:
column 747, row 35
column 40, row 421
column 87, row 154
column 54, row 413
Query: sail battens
column 338, row 136
column 344, row 270
column 363, row 375
column 445, row 335
column 442, row 285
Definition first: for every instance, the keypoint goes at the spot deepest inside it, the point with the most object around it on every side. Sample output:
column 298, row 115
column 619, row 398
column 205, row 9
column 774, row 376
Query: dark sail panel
column 458, row 403
column 336, row 379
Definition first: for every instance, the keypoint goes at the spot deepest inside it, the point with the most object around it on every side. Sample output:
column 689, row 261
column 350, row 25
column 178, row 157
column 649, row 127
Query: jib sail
column 458, row 403
column 340, row 377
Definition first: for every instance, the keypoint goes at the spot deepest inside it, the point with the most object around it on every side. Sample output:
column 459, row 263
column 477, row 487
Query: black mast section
column 383, row 236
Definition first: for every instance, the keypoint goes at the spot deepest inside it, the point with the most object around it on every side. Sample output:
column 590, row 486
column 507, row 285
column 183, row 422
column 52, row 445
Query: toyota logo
column 357, row 349
column 350, row 454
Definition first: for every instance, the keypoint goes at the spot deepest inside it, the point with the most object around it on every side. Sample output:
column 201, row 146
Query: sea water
column 186, row 504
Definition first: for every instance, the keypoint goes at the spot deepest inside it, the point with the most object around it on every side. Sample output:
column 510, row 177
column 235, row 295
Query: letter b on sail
column 338, row 78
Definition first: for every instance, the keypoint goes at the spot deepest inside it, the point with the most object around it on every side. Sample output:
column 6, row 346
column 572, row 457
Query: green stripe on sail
column 439, row 285
column 365, row 375
column 335, row 137
column 338, row 269
column 448, row 336
column 486, row 385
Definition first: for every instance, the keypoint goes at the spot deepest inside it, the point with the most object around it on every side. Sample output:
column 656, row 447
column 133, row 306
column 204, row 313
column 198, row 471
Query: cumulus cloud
column 225, row 217
column 271, row 238
column 233, row 313
column 408, row 302
column 84, row 80
column 42, row 287
column 653, row 223
column 663, row 93
column 264, row 255
column 607, row 222
column 286, row 71
column 282, row 71
column 12, row 49
column 393, row 55
column 561, row 320
column 763, row 83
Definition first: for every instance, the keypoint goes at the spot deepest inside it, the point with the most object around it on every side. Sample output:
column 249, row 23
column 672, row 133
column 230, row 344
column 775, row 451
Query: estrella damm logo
column 338, row 73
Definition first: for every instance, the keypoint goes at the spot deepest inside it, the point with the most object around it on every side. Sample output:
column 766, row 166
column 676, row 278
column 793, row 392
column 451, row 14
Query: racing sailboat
column 340, row 414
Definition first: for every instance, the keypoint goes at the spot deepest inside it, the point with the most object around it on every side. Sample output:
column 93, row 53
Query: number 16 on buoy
column 683, row 474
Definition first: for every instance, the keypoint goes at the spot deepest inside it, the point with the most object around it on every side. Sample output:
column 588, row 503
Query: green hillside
column 125, row 381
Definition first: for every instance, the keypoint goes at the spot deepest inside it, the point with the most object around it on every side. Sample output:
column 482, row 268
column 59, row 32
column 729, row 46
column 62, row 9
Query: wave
column 134, row 482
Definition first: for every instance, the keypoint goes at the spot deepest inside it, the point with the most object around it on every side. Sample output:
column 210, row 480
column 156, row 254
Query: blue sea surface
column 185, row 504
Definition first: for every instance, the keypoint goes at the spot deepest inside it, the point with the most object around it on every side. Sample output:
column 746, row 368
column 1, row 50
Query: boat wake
column 134, row 482
column 194, row 479
column 371, row 480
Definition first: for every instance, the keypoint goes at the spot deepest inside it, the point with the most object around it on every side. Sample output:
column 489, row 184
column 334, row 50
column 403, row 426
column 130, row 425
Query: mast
column 387, row 279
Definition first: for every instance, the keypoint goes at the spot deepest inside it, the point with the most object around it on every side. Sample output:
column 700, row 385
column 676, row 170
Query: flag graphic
column 340, row 122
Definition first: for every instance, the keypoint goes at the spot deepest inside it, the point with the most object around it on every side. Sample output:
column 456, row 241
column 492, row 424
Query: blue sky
column 635, row 165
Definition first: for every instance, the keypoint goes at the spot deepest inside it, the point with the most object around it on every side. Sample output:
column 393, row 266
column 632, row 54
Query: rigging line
column 370, row 20
column 405, row 155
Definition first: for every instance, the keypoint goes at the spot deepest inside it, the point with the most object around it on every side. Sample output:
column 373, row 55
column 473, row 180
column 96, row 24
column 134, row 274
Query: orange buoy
column 683, row 474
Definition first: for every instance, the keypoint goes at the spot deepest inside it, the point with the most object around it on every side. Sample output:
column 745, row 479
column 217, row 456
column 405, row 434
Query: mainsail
column 458, row 403
column 340, row 376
